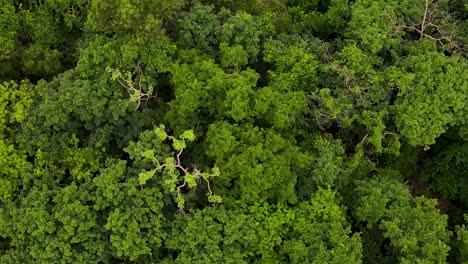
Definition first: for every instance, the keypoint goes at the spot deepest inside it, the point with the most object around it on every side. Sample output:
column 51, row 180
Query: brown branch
column 208, row 184
column 426, row 8
column 124, row 85
column 365, row 137
column 180, row 187
column 433, row 19
column 185, row 170
column 178, row 156
column 177, row 165
column 140, row 76
column 129, row 85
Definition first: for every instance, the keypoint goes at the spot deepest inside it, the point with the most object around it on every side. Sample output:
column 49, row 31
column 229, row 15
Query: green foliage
column 323, row 18
column 233, row 56
column 52, row 226
column 201, row 27
column 155, row 157
column 416, row 230
column 372, row 24
column 328, row 163
column 447, row 172
column 245, row 30
column 276, row 115
column 36, row 42
column 246, row 154
column 320, row 233
column 462, row 241
column 9, row 22
column 436, row 99
column 296, row 69
column 129, row 16
column 15, row 103
column 314, row 232
column 135, row 224
column 204, row 90
column 229, row 236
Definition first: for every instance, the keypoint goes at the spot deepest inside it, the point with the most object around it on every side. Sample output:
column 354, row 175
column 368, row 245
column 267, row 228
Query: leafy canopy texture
column 202, row 131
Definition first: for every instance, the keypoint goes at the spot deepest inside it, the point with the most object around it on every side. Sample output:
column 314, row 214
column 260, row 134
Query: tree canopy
column 268, row 131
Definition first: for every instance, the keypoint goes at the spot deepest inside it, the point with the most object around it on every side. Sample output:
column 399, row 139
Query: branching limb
column 136, row 91
column 431, row 26
column 177, row 176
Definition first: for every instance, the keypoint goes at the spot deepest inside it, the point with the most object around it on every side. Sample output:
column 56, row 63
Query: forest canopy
column 203, row 131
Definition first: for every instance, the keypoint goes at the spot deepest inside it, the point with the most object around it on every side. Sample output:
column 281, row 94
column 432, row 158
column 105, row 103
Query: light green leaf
column 178, row 144
column 188, row 134
column 190, row 179
column 216, row 171
column 144, row 176
column 149, row 154
column 180, row 201
column 215, row 199
column 161, row 133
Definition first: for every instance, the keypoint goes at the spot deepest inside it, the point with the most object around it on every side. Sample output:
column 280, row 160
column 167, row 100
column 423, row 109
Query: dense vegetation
column 267, row 131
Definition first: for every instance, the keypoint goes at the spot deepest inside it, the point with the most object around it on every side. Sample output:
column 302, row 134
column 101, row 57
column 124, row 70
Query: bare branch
column 139, row 92
column 426, row 10
column 178, row 156
column 431, row 26
column 208, row 183
column 180, row 187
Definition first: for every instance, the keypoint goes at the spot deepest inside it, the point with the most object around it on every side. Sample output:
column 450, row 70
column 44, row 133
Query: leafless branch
column 140, row 92
column 431, row 24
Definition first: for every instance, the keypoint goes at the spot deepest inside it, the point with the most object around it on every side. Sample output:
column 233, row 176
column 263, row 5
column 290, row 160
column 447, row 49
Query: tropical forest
column 234, row 131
